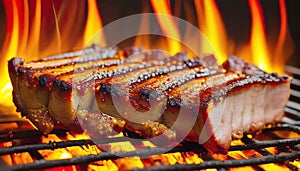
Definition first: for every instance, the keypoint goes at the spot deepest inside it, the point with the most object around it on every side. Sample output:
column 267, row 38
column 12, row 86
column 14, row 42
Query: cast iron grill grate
column 288, row 149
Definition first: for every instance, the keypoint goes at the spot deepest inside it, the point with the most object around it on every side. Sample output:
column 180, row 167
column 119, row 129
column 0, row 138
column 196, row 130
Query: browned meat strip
column 73, row 94
column 32, row 81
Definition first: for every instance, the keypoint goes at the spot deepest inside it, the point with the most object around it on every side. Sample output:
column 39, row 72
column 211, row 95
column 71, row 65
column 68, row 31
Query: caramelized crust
column 85, row 51
column 70, row 59
column 32, row 81
column 154, row 88
column 123, row 84
column 128, row 80
column 73, row 93
column 45, row 78
column 131, row 102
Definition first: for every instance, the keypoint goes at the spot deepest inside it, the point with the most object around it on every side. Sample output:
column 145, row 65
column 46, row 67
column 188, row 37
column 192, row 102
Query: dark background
column 235, row 14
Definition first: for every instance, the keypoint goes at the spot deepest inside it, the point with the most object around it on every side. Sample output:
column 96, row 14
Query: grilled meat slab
column 32, row 81
column 231, row 105
column 73, row 94
column 180, row 98
column 209, row 107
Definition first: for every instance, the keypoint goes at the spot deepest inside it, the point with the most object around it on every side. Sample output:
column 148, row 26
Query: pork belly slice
column 48, row 63
column 121, row 84
column 104, row 52
column 73, row 95
column 186, row 108
column 18, row 66
column 133, row 98
column 245, row 99
column 211, row 109
column 237, row 104
column 32, row 82
column 239, row 65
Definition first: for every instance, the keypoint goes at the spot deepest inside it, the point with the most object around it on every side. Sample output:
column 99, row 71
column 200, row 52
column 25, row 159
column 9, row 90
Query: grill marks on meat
column 32, row 81
column 141, row 102
column 180, row 98
column 45, row 78
column 128, row 84
column 221, row 104
column 74, row 95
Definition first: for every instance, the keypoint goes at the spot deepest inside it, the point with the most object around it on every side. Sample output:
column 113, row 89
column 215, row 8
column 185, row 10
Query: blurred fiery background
column 264, row 32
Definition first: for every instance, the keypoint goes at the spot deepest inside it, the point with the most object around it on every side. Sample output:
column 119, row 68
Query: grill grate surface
column 288, row 149
column 186, row 147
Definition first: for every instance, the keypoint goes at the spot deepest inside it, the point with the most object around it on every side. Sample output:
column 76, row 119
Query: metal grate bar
column 292, row 69
column 292, row 113
column 5, row 136
column 283, row 127
column 284, row 149
column 151, row 151
column 295, row 93
column 264, row 152
column 293, row 105
column 61, row 144
column 42, row 164
column 281, row 158
column 202, row 152
column 265, row 144
column 69, row 143
column 36, row 154
column 145, row 152
column 292, row 108
column 296, row 82
column 290, row 147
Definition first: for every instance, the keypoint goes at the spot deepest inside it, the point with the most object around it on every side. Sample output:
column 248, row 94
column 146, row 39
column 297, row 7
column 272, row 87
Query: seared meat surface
column 104, row 91
column 32, row 81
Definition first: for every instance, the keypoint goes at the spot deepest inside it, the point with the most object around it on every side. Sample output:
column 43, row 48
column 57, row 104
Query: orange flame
column 168, row 26
column 35, row 28
column 93, row 25
column 258, row 50
column 280, row 55
column 40, row 28
column 9, row 48
column 144, row 40
column 258, row 41
column 210, row 22
column 25, row 36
